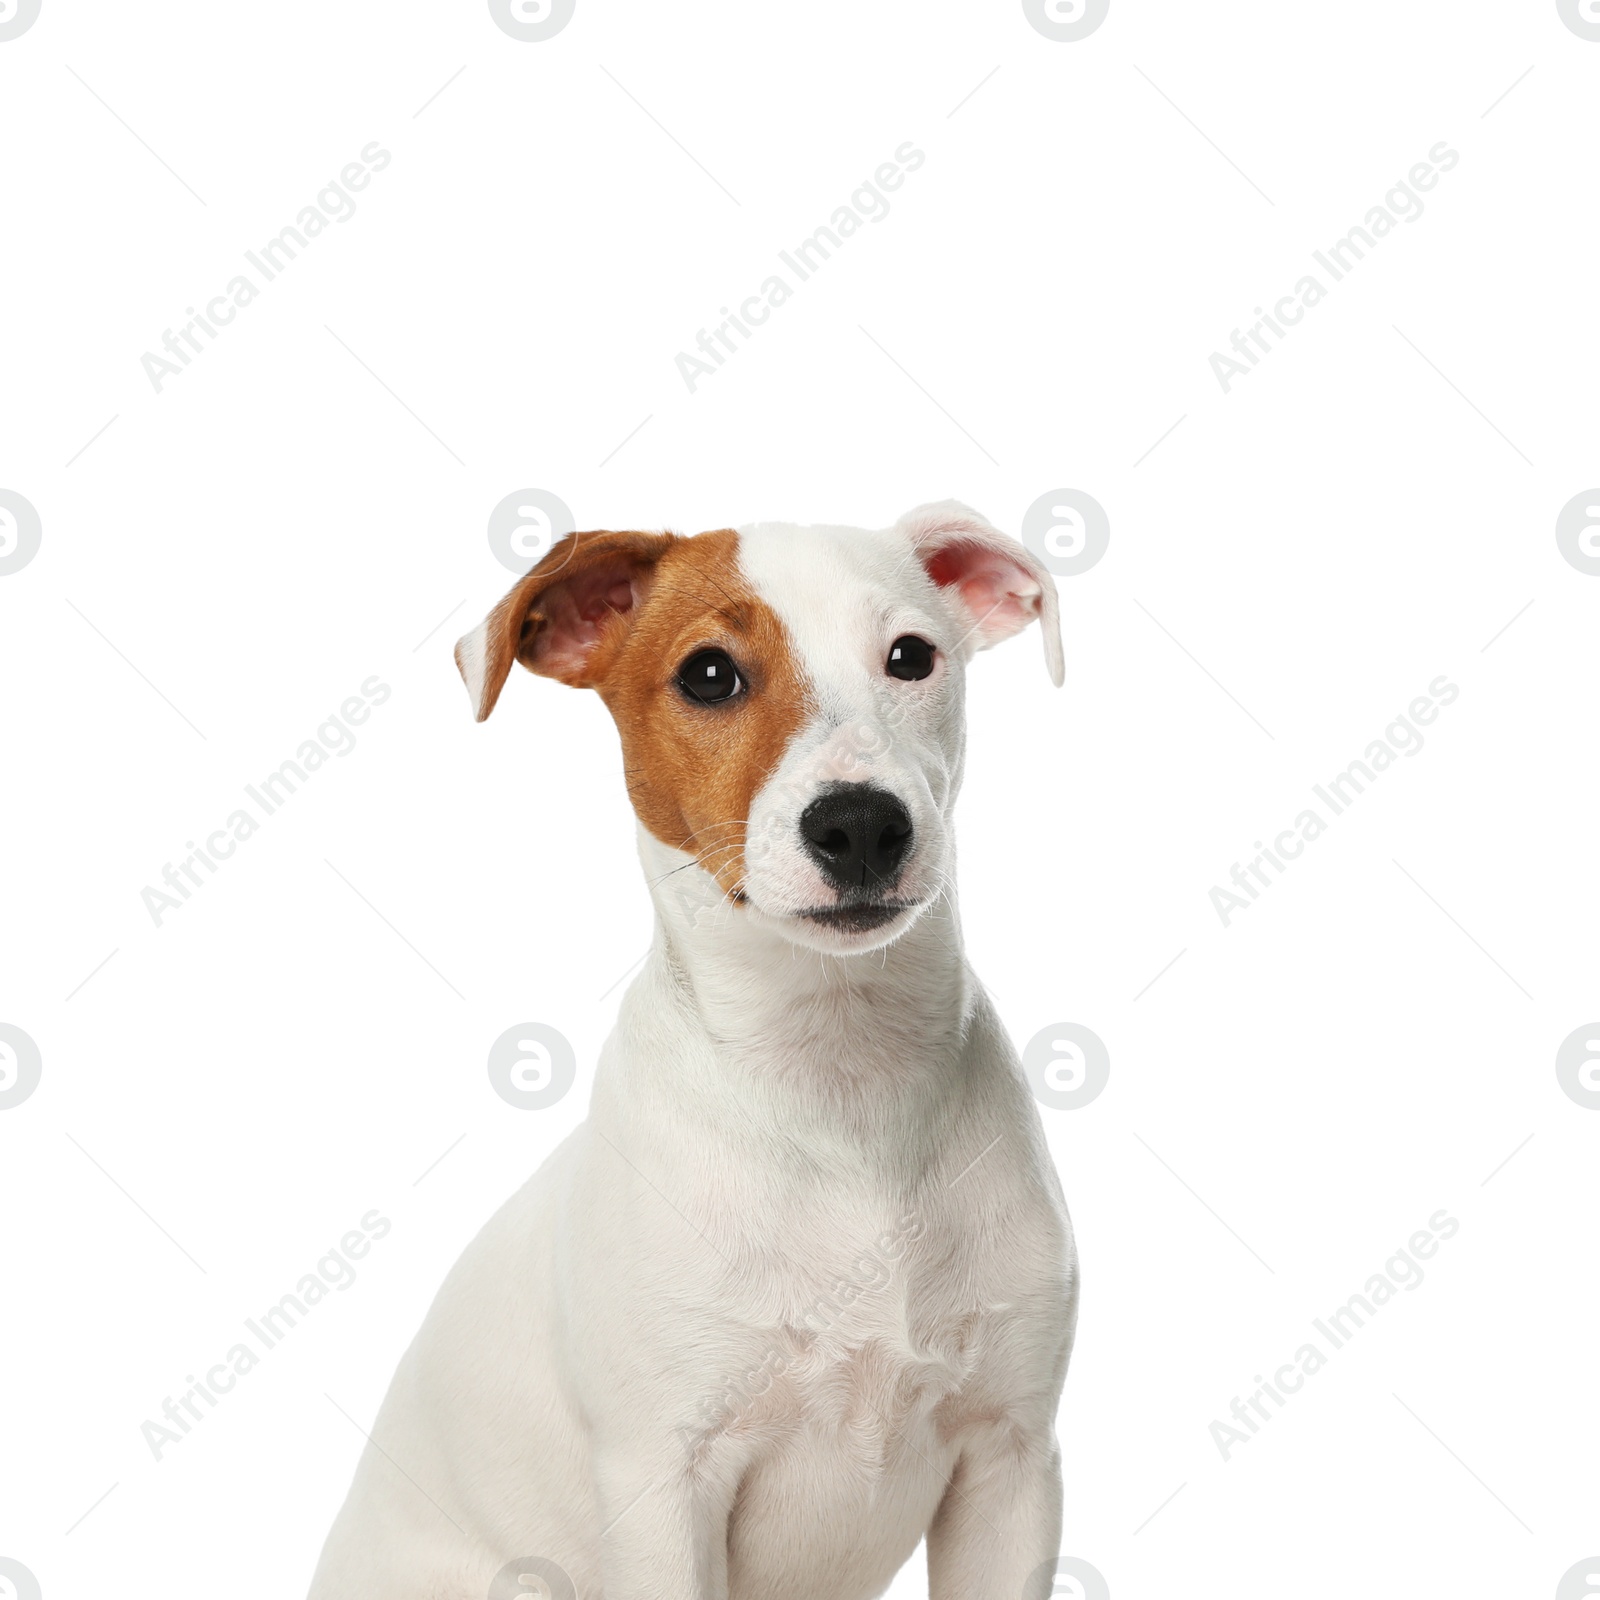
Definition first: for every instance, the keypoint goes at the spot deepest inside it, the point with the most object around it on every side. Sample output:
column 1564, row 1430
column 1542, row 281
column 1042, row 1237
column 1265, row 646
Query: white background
column 228, row 560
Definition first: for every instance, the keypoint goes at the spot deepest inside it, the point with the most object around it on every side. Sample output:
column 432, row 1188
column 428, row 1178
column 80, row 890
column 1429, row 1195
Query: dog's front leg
column 1000, row 1519
column 665, row 1526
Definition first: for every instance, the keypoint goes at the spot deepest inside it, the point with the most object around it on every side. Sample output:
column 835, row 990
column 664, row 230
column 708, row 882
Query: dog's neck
column 867, row 1028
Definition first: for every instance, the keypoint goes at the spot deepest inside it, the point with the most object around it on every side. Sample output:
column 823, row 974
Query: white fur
column 801, row 1290
column 471, row 652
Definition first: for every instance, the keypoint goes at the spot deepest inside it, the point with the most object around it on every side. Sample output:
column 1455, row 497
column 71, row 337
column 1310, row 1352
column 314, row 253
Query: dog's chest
column 848, row 1421
column 869, row 1352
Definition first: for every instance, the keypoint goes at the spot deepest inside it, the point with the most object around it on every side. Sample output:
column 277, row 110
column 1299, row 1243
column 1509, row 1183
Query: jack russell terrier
column 801, row 1291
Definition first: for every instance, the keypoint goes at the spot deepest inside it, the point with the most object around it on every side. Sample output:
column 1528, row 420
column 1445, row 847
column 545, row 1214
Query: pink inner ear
column 575, row 617
column 946, row 563
column 1000, row 597
column 610, row 596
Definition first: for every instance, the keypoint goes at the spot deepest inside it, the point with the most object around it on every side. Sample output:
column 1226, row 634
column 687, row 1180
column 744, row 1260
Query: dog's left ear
column 998, row 584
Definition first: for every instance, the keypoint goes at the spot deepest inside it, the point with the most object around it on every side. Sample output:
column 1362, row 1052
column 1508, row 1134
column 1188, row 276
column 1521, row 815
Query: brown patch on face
column 693, row 770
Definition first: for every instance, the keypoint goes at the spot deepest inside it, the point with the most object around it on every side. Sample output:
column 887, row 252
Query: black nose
column 858, row 835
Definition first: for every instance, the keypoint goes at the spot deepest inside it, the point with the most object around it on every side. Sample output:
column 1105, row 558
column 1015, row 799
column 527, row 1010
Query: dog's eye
column 709, row 676
column 909, row 658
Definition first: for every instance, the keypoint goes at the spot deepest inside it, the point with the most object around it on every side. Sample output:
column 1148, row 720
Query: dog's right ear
column 564, row 618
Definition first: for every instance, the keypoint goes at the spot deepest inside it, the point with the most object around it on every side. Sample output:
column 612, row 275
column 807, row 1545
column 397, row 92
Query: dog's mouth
column 861, row 918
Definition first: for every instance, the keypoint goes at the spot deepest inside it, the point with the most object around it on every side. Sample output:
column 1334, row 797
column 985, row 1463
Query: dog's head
column 789, row 699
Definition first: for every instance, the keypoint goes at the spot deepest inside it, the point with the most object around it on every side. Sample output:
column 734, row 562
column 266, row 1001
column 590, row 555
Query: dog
column 801, row 1292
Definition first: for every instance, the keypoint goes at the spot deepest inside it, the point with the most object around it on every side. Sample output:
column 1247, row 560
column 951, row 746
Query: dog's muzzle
column 859, row 836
